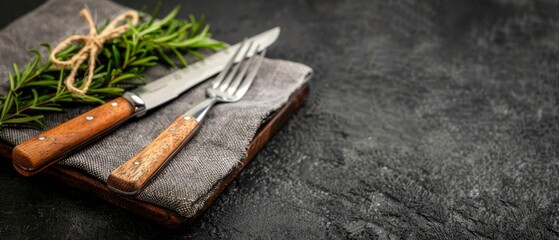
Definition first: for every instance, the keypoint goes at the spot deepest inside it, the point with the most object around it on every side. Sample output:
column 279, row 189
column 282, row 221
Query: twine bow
column 93, row 43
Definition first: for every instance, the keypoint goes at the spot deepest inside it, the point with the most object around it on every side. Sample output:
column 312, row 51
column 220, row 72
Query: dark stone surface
column 426, row 120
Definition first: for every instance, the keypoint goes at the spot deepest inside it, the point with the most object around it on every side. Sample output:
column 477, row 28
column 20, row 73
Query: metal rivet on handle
column 136, row 163
column 42, row 138
column 114, row 104
column 89, row 117
column 186, row 118
column 172, row 129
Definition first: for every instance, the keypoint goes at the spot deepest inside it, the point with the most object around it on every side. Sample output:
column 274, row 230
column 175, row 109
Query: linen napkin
column 192, row 176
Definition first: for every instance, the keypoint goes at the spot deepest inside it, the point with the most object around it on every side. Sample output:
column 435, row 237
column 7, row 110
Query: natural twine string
column 93, row 43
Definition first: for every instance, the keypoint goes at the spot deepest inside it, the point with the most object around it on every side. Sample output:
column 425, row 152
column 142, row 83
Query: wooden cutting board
column 160, row 215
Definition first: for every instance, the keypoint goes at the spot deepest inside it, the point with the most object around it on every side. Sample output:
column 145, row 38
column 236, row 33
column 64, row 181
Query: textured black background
column 427, row 119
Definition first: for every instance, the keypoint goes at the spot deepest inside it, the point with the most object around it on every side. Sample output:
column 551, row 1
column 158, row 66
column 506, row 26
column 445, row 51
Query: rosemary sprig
column 37, row 87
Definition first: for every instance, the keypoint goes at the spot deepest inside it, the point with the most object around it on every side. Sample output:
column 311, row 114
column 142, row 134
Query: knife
column 51, row 146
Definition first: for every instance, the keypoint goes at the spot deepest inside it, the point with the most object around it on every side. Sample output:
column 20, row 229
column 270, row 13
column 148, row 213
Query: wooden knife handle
column 55, row 144
column 133, row 175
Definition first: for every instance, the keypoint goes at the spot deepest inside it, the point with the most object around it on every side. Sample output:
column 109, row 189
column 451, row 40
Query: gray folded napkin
column 192, row 176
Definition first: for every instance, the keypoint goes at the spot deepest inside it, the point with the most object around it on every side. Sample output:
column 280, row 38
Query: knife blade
column 53, row 145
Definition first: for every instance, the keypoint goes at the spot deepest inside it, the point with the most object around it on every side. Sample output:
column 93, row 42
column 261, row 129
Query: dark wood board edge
column 82, row 181
column 160, row 215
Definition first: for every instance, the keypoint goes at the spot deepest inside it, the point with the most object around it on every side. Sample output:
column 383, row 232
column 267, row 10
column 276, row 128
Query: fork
column 229, row 86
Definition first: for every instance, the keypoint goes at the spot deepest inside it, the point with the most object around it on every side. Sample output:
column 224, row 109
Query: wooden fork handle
column 133, row 175
column 57, row 143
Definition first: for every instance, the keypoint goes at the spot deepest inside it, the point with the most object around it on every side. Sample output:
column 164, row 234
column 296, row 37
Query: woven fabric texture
column 190, row 178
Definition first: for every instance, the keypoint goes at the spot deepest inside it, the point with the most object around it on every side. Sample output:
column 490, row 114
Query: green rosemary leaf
column 99, row 75
column 173, row 25
column 12, row 81
column 135, row 40
column 115, row 72
column 165, row 38
column 17, row 73
column 47, row 46
column 89, row 99
column 207, row 44
column 59, row 87
column 15, row 101
column 157, row 25
column 144, row 61
column 36, row 123
column 38, row 56
column 116, row 56
column 165, row 57
column 28, row 70
column 109, row 68
column 43, row 83
column 66, row 52
column 107, row 53
column 47, row 77
column 183, row 29
column 169, row 16
column 186, row 43
column 98, row 69
column 132, row 27
column 127, row 53
column 23, row 119
column 64, row 98
column 180, row 57
column 205, row 31
column 121, row 78
column 7, row 105
column 201, row 23
column 108, row 90
column 50, row 109
column 196, row 54
column 35, row 96
column 195, row 25
column 155, row 13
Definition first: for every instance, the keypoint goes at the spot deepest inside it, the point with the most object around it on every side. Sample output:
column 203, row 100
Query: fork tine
column 245, row 85
column 235, row 83
column 234, row 71
column 222, row 74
